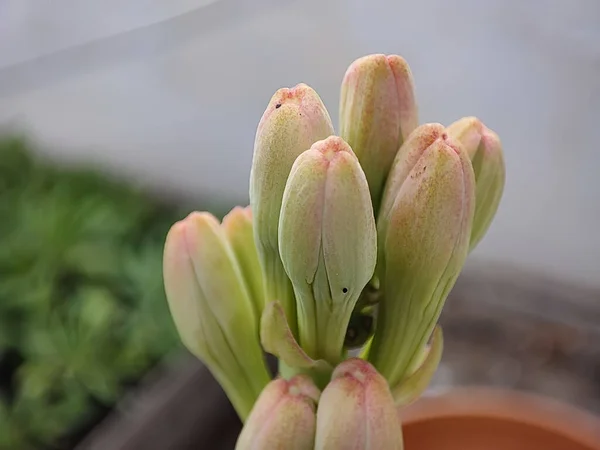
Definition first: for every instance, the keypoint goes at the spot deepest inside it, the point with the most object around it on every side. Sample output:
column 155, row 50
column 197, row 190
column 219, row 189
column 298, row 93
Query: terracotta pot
column 490, row 419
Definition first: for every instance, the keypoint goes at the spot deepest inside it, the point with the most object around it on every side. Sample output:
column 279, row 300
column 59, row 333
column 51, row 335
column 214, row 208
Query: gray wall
column 171, row 93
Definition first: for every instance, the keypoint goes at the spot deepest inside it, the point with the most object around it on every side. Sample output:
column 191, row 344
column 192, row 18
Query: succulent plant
column 358, row 240
column 82, row 308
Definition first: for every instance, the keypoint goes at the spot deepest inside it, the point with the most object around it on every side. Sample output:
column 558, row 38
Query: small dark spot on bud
column 424, row 168
column 278, row 105
column 444, row 136
column 344, row 290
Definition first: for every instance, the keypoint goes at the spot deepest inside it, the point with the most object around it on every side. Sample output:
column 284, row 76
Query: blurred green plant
column 82, row 307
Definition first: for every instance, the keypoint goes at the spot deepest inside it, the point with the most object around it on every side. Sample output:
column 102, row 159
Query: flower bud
column 490, row 175
column 294, row 120
column 211, row 307
column 356, row 411
column 410, row 152
column 283, row 417
column 238, row 229
column 377, row 114
column 485, row 151
column 425, row 244
column 467, row 131
column 327, row 241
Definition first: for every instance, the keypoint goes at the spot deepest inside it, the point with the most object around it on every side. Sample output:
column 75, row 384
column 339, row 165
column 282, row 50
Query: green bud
column 425, row 244
column 327, row 241
column 485, row 151
column 238, row 229
column 410, row 152
column 378, row 112
column 294, row 120
column 467, row 131
column 490, row 176
column 211, row 307
column 283, row 417
column 356, row 410
column 406, row 158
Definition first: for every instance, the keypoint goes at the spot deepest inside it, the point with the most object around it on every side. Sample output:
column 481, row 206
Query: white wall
column 171, row 92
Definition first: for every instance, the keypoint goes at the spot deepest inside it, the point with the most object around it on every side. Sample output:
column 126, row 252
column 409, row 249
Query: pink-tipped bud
column 327, row 241
column 424, row 241
column 410, row 152
column 294, row 119
column 211, row 307
column 356, row 411
column 283, row 417
column 378, row 112
column 467, row 131
column 485, row 151
column 238, row 229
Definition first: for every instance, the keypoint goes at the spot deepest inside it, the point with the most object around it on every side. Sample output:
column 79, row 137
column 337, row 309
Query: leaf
column 277, row 339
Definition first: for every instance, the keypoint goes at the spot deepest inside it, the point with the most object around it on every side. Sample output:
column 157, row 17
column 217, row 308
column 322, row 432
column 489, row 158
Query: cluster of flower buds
column 354, row 242
column 356, row 410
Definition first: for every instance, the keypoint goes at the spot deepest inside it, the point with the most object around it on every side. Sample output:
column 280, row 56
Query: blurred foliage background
column 82, row 308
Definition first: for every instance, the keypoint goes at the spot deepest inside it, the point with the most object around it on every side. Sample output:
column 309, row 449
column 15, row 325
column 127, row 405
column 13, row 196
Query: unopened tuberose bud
column 467, row 131
column 378, row 112
column 410, row 152
column 294, row 120
column 357, row 411
column 425, row 244
column 238, row 229
column 485, row 151
column 327, row 241
column 283, row 417
column 211, row 307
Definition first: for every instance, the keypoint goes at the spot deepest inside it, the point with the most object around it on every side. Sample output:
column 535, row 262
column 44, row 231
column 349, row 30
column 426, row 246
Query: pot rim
column 506, row 405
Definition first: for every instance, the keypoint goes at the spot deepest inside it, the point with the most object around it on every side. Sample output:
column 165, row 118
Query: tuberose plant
column 341, row 264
